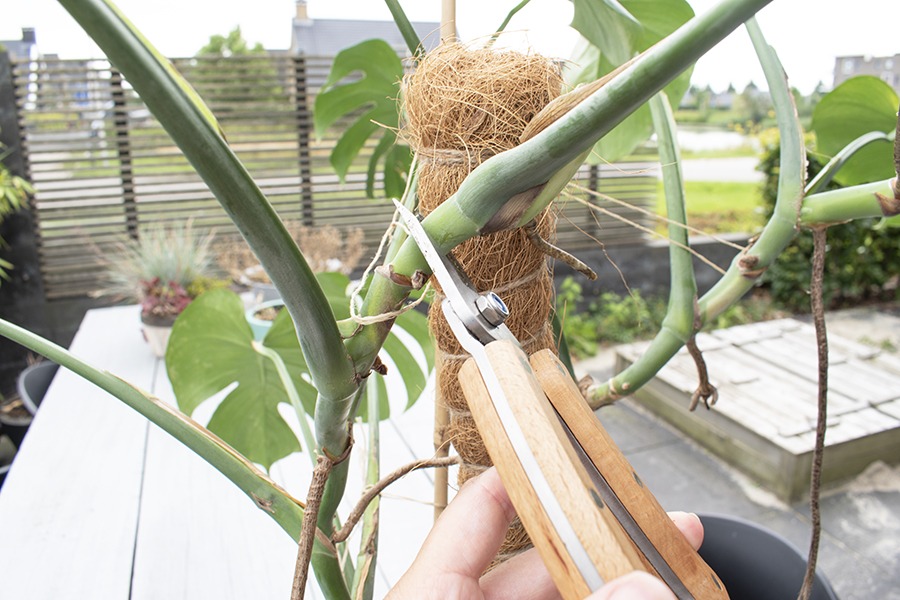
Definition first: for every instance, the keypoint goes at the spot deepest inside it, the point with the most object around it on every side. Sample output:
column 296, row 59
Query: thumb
column 634, row 586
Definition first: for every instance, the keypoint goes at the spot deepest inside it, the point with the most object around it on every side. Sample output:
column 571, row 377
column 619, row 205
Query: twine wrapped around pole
column 463, row 106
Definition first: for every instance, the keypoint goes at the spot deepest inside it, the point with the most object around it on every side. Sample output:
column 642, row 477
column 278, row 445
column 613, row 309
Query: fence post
column 304, row 123
column 123, row 151
column 594, row 186
column 22, row 298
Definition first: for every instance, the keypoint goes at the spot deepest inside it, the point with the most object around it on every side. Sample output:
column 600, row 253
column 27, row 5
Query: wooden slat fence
column 104, row 168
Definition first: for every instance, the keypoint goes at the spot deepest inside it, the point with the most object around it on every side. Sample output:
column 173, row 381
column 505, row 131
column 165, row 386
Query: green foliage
column 608, row 319
column 230, row 64
column 232, row 44
column 856, row 107
column 860, row 263
column 615, row 319
column 212, row 347
column 370, row 101
column 14, row 192
column 613, row 33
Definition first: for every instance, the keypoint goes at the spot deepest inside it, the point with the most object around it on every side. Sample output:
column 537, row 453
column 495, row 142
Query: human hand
column 466, row 538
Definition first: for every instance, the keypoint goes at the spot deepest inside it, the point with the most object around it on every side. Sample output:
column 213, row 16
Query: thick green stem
column 846, row 204
column 532, row 164
column 749, row 265
column 778, row 232
column 413, row 43
column 515, row 9
column 683, row 296
column 190, row 125
column 265, row 493
column 188, row 122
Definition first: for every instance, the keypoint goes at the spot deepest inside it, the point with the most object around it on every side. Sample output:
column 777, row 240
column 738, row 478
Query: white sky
column 806, row 33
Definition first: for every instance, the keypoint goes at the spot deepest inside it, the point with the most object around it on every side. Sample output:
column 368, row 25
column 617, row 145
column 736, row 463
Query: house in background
column 886, row 68
column 24, row 49
column 327, row 37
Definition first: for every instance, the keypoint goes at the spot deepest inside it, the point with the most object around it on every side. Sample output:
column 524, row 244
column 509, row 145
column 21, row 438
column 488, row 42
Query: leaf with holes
column 210, row 349
column 363, row 87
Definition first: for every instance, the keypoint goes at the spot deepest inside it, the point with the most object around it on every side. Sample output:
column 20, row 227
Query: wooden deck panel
column 764, row 422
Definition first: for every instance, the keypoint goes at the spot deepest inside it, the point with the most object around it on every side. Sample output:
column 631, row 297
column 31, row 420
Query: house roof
column 21, row 49
column 327, row 37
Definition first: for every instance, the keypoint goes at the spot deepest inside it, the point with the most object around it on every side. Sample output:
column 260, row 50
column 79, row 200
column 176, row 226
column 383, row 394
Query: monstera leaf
column 364, row 85
column 212, row 348
column 854, row 108
column 613, row 32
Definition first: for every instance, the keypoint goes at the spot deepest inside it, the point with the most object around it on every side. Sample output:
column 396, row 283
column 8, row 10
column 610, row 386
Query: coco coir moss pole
column 463, row 106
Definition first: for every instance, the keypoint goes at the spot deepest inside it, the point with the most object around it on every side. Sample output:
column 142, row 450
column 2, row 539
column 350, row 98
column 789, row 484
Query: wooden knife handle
column 608, row 547
column 568, row 401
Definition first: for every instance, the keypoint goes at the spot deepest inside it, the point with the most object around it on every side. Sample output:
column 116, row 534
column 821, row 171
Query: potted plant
column 163, row 270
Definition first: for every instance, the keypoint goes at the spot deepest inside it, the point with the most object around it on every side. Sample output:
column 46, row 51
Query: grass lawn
column 719, row 207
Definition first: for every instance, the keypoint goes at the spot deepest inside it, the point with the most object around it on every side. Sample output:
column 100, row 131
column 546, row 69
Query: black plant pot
column 33, row 383
column 755, row 563
column 4, row 469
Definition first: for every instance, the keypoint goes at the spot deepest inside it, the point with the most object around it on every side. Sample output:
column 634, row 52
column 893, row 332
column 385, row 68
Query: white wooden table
column 101, row 505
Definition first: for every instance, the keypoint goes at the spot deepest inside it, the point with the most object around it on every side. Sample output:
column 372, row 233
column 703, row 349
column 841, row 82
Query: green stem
column 679, row 322
column 532, row 164
column 834, row 165
column 364, row 581
column 680, row 313
column 406, row 29
column 508, row 18
column 749, row 265
column 308, row 439
column 191, row 126
column 870, row 200
column 265, row 493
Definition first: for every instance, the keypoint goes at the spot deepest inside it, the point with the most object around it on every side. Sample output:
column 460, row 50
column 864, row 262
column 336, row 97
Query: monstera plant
column 643, row 48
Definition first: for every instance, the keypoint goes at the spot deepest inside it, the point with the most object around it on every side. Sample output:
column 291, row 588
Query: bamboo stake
column 448, row 21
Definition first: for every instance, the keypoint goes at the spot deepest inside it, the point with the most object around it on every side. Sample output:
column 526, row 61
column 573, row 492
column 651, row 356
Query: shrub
column 615, row 319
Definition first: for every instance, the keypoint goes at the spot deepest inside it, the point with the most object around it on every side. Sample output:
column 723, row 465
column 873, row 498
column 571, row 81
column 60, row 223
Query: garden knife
column 586, row 510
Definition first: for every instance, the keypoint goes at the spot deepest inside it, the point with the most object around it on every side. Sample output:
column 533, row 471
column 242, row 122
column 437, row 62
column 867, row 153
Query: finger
column 471, row 529
column 523, row 577
column 634, row 586
column 690, row 526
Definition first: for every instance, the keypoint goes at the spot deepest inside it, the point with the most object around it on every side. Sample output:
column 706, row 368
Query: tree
column 229, row 65
column 229, row 45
